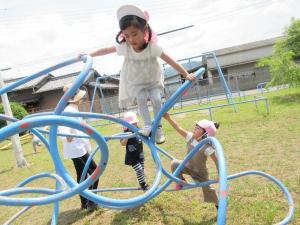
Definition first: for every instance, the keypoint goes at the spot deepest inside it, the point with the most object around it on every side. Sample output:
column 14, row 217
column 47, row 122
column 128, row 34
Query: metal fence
column 204, row 90
column 208, row 88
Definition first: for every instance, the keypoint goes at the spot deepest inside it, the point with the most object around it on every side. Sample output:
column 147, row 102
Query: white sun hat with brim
column 78, row 96
column 126, row 10
column 208, row 126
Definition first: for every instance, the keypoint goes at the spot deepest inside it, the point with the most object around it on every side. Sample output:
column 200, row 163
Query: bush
column 17, row 109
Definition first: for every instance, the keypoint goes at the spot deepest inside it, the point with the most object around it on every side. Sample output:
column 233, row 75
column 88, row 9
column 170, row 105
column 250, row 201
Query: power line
column 68, row 54
column 171, row 31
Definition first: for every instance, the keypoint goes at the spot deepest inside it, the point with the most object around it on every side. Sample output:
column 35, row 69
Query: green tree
column 292, row 41
column 17, row 109
column 282, row 65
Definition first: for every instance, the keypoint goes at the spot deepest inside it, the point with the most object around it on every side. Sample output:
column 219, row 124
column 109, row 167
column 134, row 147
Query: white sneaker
column 145, row 131
column 160, row 137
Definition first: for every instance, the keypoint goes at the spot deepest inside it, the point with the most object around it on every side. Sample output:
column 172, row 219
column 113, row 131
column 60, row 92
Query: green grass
column 251, row 139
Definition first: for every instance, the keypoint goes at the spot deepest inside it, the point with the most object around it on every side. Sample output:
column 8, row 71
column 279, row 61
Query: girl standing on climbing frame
column 141, row 76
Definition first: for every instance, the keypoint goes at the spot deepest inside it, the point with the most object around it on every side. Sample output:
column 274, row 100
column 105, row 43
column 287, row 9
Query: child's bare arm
column 124, row 141
column 177, row 66
column 175, row 125
column 69, row 139
column 104, row 51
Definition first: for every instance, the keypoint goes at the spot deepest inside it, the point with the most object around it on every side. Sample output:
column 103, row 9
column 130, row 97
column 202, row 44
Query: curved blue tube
column 67, row 187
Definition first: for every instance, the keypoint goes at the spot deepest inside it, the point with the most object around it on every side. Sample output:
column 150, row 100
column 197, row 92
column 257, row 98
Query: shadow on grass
column 32, row 153
column 141, row 214
column 7, row 170
column 74, row 215
column 203, row 222
column 287, row 99
column 126, row 216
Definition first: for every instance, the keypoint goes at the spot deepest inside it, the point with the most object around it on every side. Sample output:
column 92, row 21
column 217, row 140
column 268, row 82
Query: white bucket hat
column 78, row 96
column 126, row 10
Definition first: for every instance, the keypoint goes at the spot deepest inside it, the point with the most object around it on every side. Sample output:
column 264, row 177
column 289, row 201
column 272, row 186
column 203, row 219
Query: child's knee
column 156, row 101
column 141, row 100
column 174, row 164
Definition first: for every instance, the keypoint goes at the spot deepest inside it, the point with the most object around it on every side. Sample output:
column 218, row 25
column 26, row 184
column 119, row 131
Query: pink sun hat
column 208, row 126
column 130, row 117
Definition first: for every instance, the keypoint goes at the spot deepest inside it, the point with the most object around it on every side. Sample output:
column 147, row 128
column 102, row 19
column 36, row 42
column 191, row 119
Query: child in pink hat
column 134, row 151
column 196, row 167
column 141, row 77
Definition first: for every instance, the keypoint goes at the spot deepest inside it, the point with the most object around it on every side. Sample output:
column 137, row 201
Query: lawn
column 251, row 139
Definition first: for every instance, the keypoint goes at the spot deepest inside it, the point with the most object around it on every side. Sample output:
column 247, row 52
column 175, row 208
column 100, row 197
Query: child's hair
column 131, row 20
column 217, row 125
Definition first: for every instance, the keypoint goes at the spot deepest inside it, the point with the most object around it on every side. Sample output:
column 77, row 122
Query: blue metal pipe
column 63, row 178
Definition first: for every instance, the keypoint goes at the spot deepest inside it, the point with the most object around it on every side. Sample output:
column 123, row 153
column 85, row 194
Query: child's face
column 135, row 124
column 198, row 131
column 135, row 37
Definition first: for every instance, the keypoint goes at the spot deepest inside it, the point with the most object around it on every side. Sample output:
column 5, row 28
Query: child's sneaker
column 178, row 187
column 160, row 137
column 144, row 186
column 91, row 206
column 145, row 131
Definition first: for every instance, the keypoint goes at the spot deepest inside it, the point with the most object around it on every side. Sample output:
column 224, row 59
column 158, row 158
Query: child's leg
column 139, row 170
column 155, row 97
column 144, row 112
column 209, row 193
column 34, row 146
column 143, row 107
column 143, row 165
column 174, row 164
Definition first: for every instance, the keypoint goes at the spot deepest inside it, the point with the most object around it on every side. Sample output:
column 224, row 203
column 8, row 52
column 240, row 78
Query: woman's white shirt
column 78, row 146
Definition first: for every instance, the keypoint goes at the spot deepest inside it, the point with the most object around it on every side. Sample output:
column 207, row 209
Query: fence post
column 267, row 106
column 210, row 113
column 255, row 102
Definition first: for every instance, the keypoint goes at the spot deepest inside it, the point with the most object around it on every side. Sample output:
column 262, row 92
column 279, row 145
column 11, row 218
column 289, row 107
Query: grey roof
column 105, row 85
column 28, row 85
column 114, row 77
column 170, row 71
column 56, row 83
column 242, row 54
column 247, row 46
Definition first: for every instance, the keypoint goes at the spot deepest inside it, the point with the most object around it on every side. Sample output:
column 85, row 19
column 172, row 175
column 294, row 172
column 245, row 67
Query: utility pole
column 15, row 139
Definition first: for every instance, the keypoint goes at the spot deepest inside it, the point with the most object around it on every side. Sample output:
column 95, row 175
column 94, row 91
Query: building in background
column 43, row 94
column 237, row 63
